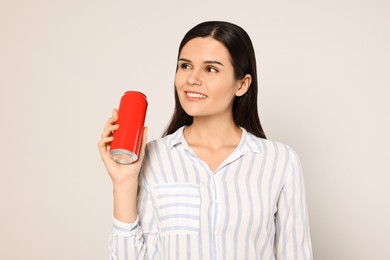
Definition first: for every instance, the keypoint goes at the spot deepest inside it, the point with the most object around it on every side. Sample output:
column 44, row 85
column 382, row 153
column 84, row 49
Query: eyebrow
column 206, row 62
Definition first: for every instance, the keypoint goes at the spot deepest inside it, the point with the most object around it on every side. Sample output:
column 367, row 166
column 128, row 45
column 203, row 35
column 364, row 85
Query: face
column 205, row 81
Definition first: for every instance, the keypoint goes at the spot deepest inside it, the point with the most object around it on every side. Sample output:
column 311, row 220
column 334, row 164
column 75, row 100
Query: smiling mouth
column 195, row 95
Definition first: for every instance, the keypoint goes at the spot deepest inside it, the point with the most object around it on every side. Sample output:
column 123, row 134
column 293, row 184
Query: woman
column 213, row 187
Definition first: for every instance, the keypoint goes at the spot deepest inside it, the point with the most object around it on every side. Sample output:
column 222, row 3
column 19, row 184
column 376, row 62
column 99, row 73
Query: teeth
column 195, row 95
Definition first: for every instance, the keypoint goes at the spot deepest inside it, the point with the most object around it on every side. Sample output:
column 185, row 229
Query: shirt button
column 245, row 152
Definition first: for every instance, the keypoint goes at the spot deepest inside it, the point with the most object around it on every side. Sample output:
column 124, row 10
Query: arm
column 292, row 238
column 124, row 177
column 127, row 238
column 136, row 240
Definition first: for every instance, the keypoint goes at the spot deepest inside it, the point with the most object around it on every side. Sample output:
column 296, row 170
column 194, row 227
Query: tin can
column 125, row 146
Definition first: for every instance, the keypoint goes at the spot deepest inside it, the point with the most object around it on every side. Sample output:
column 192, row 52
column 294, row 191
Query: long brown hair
column 239, row 45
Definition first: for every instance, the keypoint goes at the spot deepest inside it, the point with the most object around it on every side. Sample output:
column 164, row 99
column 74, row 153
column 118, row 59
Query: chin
column 193, row 113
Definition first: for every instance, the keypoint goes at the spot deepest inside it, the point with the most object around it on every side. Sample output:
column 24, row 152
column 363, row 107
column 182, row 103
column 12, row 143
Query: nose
column 194, row 78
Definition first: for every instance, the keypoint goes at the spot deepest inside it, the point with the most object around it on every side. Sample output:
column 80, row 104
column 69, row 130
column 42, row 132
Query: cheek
column 179, row 80
column 178, row 86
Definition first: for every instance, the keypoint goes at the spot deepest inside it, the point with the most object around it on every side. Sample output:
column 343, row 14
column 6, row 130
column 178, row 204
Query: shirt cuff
column 124, row 229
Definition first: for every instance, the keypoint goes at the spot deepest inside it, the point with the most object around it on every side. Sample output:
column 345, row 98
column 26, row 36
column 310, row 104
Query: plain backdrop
column 324, row 89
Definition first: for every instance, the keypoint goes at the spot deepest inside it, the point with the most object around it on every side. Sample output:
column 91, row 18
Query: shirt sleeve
column 137, row 240
column 292, row 237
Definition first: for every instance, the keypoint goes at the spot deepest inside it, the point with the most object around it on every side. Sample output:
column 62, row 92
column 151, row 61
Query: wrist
column 125, row 184
column 126, row 189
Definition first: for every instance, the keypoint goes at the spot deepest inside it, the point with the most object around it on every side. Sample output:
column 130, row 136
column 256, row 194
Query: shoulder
column 272, row 147
column 163, row 143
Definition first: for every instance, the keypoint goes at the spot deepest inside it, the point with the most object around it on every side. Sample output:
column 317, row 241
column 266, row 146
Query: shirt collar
column 178, row 138
column 248, row 143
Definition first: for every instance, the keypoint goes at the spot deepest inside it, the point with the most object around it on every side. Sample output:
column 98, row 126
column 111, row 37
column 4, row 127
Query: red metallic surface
column 131, row 119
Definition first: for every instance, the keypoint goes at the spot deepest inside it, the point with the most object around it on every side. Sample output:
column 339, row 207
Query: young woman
column 213, row 187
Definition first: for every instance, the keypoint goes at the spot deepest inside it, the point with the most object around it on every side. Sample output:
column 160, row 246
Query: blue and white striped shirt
column 252, row 207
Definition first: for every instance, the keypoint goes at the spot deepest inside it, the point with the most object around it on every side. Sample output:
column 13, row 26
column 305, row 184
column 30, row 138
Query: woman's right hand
column 119, row 173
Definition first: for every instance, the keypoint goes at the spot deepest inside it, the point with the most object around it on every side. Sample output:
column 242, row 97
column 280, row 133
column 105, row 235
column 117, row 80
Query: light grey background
column 324, row 89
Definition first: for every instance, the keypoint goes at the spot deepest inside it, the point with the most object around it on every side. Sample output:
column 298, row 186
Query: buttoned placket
column 214, row 205
column 216, row 189
column 216, row 185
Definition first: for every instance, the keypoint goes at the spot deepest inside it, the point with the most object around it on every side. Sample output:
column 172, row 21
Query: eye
column 211, row 69
column 185, row 66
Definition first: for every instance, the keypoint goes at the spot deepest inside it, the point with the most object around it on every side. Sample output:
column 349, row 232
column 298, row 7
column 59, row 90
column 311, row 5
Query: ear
column 244, row 85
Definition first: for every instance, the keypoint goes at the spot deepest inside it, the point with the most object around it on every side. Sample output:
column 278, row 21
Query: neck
column 213, row 132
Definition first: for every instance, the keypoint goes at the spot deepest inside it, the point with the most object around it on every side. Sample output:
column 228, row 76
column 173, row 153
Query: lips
column 195, row 95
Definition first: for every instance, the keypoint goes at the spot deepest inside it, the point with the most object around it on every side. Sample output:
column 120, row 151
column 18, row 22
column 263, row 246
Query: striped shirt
column 252, row 207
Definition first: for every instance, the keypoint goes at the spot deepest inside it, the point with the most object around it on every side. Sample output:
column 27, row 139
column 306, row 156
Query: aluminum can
column 125, row 146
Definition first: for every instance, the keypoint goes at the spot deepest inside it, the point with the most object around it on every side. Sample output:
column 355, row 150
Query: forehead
column 205, row 49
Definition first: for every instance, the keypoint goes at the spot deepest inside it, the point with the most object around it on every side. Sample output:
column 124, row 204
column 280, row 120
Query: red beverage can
column 125, row 146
